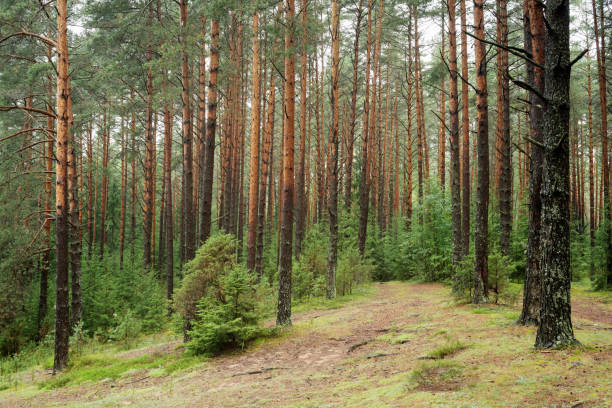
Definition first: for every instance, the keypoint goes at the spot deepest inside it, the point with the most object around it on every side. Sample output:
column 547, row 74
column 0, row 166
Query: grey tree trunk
column 555, row 329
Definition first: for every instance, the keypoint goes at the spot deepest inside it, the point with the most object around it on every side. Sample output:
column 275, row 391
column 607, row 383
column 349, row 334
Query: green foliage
column 352, row 271
column 308, row 277
column 228, row 315
column 429, row 246
column 118, row 304
column 203, row 273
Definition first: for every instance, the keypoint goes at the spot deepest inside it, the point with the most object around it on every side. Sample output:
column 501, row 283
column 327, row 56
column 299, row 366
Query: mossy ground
column 391, row 345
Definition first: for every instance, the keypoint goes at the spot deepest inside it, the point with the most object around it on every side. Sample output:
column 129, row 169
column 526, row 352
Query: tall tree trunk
column 167, row 180
column 64, row 120
column 254, row 159
column 187, row 140
column 352, row 120
column 123, row 193
column 465, row 138
column 591, row 174
column 266, row 168
column 442, row 131
column 48, row 214
column 201, row 128
column 454, row 136
column 419, row 101
column 104, row 195
column 364, row 191
column 504, row 187
column 332, row 258
column 301, row 204
column 600, row 46
column 481, row 250
column 75, row 223
column 133, row 192
column 555, row 328
column 283, row 316
column 148, row 166
column 209, row 141
column 534, row 41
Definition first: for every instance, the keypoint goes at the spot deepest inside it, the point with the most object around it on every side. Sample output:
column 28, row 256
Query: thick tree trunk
column 351, row 142
column 442, row 126
column 209, row 141
column 591, row 173
column 75, row 224
column 122, row 193
column 301, row 204
column 465, row 132
column 148, row 165
column 419, row 117
column 266, row 169
column 504, row 187
column 332, row 258
column 454, row 137
column 64, row 120
column 283, row 316
column 48, row 214
column 534, row 40
column 104, row 194
column 481, row 244
column 201, row 156
column 555, row 328
column 364, row 191
column 600, row 46
column 254, row 159
column 189, row 222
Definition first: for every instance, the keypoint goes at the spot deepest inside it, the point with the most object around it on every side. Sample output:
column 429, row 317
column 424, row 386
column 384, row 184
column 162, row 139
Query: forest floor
column 400, row 345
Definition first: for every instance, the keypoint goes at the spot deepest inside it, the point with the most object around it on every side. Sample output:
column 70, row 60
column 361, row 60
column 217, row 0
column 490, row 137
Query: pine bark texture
column 555, row 326
column 286, row 237
column 481, row 223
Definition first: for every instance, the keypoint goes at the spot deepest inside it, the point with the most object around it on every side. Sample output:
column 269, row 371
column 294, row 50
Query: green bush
column 228, row 315
column 308, row 275
column 352, row 270
column 203, row 274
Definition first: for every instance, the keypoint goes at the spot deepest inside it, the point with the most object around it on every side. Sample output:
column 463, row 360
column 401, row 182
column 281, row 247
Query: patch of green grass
column 96, row 367
column 183, row 363
column 447, row 350
column 316, row 303
column 434, row 374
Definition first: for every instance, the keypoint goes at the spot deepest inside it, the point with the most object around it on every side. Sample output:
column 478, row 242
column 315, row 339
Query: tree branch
column 24, row 33
column 511, row 50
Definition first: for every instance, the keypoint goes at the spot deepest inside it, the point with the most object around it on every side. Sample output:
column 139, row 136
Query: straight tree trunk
column 301, row 204
column 48, row 214
column 481, row 250
column 266, row 168
column 209, row 141
column 352, row 120
column 104, row 195
column 332, row 258
column 169, row 235
column 123, row 193
column 454, row 136
column 364, row 192
column 283, row 316
column 189, row 222
column 503, row 131
column 64, row 120
column 534, row 40
column 201, row 126
column 465, row 131
column 254, row 159
column 600, row 46
column 555, row 328
column 75, row 224
column 148, row 165
column 442, row 132
column 420, row 136
column 591, row 174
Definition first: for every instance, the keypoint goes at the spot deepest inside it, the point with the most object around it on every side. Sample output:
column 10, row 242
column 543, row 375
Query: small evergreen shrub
column 227, row 316
column 203, row 274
